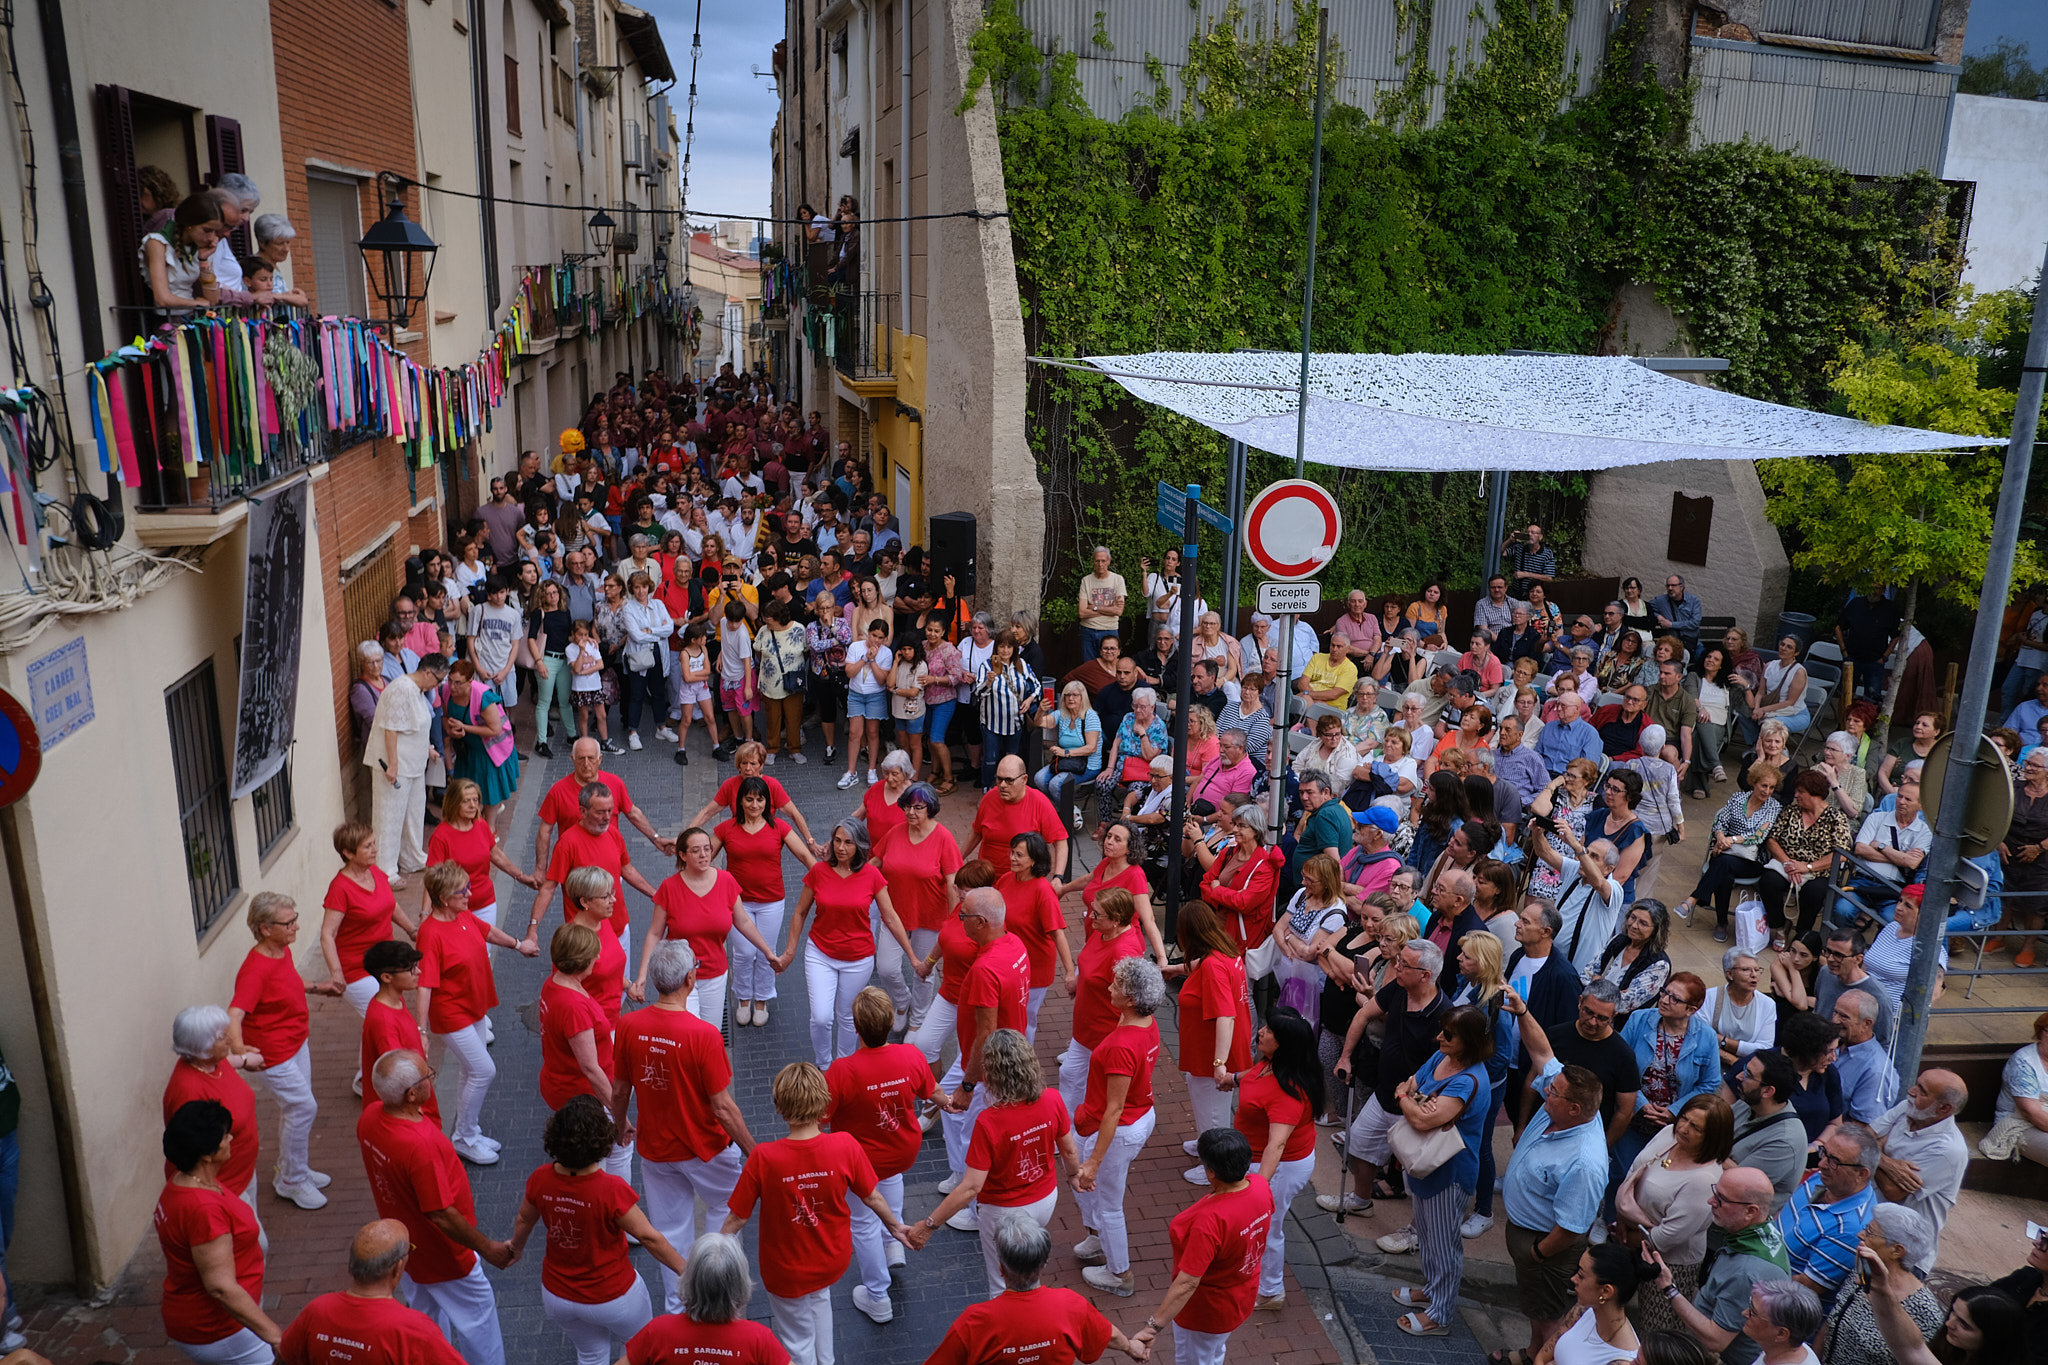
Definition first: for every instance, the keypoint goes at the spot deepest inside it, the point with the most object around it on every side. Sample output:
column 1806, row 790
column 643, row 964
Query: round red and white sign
column 1291, row 529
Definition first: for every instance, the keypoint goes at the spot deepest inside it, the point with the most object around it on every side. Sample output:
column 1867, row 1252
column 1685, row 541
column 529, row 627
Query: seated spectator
column 1481, row 661
column 1623, row 663
column 1572, row 675
column 1890, row 955
column 1780, row 694
column 1567, row 737
column 2020, row 1117
column 1516, row 762
column 1842, row 969
column 1472, row 737
column 1868, row 1079
column 1924, row 1151
column 1801, row 848
column 1751, row 1256
column 1501, row 700
column 1521, row 640
column 1203, row 742
column 1742, row 1016
column 1366, row 722
column 1848, row 784
column 1903, row 1242
column 1332, row 754
column 1825, row 1216
column 2026, row 717
column 1411, row 718
column 1229, row 774
column 1889, row 848
column 1678, row 611
column 1396, row 772
column 1899, row 766
column 1100, row 671
column 1774, row 749
column 1330, row 676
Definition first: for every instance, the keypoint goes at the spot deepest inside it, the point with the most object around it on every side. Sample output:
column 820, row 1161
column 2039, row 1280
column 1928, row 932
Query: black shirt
column 787, row 552
column 1112, row 704
column 2022, row 1285
column 1410, row 1038
column 1611, row 1059
column 1868, row 625
column 1214, row 700
column 552, row 627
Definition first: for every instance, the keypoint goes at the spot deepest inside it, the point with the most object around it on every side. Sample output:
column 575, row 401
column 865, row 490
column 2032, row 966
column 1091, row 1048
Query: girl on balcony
column 177, row 259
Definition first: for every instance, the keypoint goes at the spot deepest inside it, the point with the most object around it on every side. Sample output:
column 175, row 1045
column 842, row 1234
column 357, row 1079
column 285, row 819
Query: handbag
column 1071, row 764
column 1423, row 1154
column 1136, row 769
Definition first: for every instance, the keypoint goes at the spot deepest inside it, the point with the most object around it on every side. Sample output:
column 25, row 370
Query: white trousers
column 619, row 1162
column 249, row 1198
column 707, row 1002
column 832, row 984
column 593, row 1327
column 290, row 1083
column 1199, row 1348
column 1212, row 1107
column 804, row 1326
column 991, row 1217
column 897, row 974
column 465, row 1310
column 243, row 1348
column 1031, row 1012
column 673, row 1190
column 958, row 1129
column 871, row 1241
column 1289, row 1178
column 1102, row 1208
column 1074, row 1075
column 359, row 994
column 472, row 1056
column 398, row 817
column 930, row 1034
column 751, row 976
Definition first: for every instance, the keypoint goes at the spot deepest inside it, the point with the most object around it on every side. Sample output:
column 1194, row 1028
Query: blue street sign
column 1172, row 510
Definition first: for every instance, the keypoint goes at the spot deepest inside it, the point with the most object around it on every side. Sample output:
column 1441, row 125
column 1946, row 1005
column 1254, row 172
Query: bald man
column 1924, row 1153
column 996, row 994
column 1011, row 808
column 1752, row 1251
column 366, row 1324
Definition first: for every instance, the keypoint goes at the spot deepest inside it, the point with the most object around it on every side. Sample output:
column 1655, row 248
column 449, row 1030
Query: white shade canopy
column 1477, row 412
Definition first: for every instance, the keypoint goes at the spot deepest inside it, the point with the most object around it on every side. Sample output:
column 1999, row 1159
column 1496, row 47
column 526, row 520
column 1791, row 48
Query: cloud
column 729, row 157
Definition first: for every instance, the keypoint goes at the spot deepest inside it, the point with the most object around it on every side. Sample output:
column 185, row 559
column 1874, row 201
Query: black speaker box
column 952, row 552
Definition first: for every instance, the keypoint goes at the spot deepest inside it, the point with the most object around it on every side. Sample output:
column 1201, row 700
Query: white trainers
column 476, row 1154
column 633, row 740
column 1195, row 1175
column 846, row 779
column 770, row 760
column 760, row 1015
column 1089, row 1250
column 871, row 777
column 1597, row 1234
column 319, row 1180
column 1345, row 1203
column 1398, row 1243
column 663, row 732
column 1190, row 1148
column 965, row 1221
column 1474, row 1225
column 877, row 1310
column 800, row 760
column 949, row 1184
column 305, row 1196
column 1109, row 1282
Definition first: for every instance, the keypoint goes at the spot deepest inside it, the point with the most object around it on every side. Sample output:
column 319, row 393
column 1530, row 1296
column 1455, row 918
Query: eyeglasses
column 1677, row 998
column 1835, row 954
column 291, row 923
column 1006, row 781
column 1586, row 1012
column 1828, row 1158
column 1716, row 1197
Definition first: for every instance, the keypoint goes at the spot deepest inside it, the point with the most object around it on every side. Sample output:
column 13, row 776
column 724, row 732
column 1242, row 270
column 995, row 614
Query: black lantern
column 400, row 257
column 661, row 262
column 601, row 226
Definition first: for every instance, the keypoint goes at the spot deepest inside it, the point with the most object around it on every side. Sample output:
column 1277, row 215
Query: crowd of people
column 1445, row 928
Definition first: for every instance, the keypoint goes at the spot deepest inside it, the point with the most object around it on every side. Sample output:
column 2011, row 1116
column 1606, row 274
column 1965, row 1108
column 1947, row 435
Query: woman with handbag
column 480, row 739
column 1443, row 1109
column 1313, row 923
column 1278, row 1099
column 1140, row 737
column 943, row 676
column 1664, row 1203
column 1733, row 843
column 779, row 671
column 1240, row 882
column 644, row 655
column 1073, row 751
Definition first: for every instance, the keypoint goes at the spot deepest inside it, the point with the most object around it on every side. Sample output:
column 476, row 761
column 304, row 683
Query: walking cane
column 1344, row 1174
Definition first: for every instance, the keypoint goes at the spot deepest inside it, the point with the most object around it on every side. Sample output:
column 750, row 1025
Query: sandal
column 1509, row 1357
column 1407, row 1297
column 1412, row 1324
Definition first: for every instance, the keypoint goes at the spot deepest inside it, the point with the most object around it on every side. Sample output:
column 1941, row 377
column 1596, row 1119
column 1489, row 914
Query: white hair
column 1910, row 1230
column 274, row 227
column 898, row 761
column 1428, row 956
column 196, row 1029
column 395, row 1073
column 241, row 189
column 671, row 965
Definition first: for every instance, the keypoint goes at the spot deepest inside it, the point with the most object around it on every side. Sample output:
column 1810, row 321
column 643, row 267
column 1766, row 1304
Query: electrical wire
column 979, row 215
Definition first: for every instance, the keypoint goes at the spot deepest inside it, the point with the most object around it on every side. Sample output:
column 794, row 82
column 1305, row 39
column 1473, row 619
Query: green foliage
column 2004, row 71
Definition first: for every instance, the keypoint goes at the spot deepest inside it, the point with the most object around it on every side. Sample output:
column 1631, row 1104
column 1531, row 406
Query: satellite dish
column 1987, row 815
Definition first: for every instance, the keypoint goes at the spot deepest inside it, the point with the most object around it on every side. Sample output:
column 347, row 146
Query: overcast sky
column 729, row 157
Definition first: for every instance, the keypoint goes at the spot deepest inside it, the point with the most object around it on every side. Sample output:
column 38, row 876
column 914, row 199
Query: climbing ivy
column 1509, row 223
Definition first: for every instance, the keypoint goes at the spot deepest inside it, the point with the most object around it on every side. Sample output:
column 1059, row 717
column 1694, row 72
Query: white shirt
column 1882, row 830
column 1940, row 1152
column 864, row 682
column 402, row 710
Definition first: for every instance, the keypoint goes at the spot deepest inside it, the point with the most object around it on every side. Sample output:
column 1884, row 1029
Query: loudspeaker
column 952, row 552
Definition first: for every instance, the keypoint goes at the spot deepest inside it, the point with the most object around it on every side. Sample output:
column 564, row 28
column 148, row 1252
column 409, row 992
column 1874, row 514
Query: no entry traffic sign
column 21, row 750
column 1291, row 529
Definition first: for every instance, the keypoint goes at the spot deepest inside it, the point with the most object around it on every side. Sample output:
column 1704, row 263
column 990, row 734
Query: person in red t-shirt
column 801, row 1184
column 751, row 760
column 575, row 1033
column 839, row 956
column 996, row 994
column 464, row 837
column 359, row 910
column 388, row 1026
column 1120, row 866
column 416, row 1178
column 207, row 1069
column 367, row 1323
column 1217, row 1245
column 213, row 1258
column 594, row 841
column 457, row 991
column 920, row 861
column 588, row 1286
column 691, row 1138
column 1113, row 935
column 267, row 1030
column 1215, row 1021
column 561, row 808
column 1277, row 1101
column 1022, row 1141
column 1011, row 808
column 1054, row 1326
column 702, row 904
column 711, row 1328
column 1115, row 1121
column 753, row 844
column 1034, row 915
column 875, row 1094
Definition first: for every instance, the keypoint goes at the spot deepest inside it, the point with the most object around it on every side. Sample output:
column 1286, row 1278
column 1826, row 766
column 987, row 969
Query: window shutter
column 224, row 151
column 1692, row 528
column 124, row 201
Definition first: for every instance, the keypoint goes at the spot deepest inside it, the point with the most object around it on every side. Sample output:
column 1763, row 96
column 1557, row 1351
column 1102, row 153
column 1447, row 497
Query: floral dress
column 1366, row 730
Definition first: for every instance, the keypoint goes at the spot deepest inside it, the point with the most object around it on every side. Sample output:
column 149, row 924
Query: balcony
column 863, row 343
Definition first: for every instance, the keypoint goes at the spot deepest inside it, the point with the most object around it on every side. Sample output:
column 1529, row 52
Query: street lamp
column 400, row 257
column 601, row 226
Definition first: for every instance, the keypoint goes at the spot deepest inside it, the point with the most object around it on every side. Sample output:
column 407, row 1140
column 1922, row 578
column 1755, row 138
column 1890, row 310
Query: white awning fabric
column 1451, row 412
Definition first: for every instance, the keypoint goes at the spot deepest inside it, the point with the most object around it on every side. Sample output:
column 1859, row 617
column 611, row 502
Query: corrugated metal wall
column 1882, row 23
column 1868, row 117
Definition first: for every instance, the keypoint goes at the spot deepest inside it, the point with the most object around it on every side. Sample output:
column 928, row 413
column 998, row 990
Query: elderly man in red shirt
column 1016, row 807
column 367, row 1324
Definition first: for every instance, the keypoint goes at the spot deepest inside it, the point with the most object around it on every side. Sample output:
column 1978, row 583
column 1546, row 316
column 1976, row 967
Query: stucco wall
column 1628, row 516
column 2003, row 146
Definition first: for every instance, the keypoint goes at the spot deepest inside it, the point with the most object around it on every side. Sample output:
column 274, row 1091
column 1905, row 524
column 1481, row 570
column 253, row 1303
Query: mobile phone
column 2036, row 1234
column 1862, row 1270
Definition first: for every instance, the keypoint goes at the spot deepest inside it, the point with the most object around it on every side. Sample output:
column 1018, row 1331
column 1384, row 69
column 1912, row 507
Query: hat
column 1379, row 817
column 571, row 441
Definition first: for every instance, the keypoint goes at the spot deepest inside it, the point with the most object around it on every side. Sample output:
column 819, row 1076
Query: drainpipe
column 56, row 1078
column 903, row 168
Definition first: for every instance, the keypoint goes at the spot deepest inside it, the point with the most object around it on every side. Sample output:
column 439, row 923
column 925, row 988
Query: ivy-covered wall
column 1507, row 224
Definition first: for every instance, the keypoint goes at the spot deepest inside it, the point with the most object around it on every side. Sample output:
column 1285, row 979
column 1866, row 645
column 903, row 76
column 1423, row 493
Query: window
column 336, row 206
column 512, row 95
column 272, row 805
column 1692, row 528
column 205, row 819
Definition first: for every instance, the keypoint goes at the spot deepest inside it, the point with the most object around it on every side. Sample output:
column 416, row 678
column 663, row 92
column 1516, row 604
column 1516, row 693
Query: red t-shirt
column 271, row 995
column 676, row 1063
column 189, row 1083
column 413, row 1172
column 1094, row 1016
column 606, row 983
column 839, row 927
column 1001, row 976
column 703, row 920
column 998, row 821
column 755, row 859
column 1025, row 1327
column 366, row 918
column 1220, row 1240
column 1127, row 1051
column 1019, row 1146
column 578, row 847
column 469, row 850
column 563, row 806
column 1214, row 989
column 188, row 1217
column 587, row 1259
column 674, row 1339
column 917, row 874
column 564, row 1013
column 884, row 816
column 1131, row 879
column 1261, row 1103
column 874, row 1097
column 341, row 1329
column 384, row 1029
column 802, row 1188
column 957, row 953
column 455, row 964
column 728, row 795
column 1034, row 915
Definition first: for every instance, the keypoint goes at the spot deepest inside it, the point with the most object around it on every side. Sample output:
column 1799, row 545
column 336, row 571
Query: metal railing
column 863, row 341
column 1973, row 894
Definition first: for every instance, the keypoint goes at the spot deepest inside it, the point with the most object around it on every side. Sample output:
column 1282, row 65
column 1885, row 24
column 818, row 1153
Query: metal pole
column 1308, row 283
column 1233, row 544
column 1969, row 720
column 1496, row 523
column 1276, row 751
column 1184, row 695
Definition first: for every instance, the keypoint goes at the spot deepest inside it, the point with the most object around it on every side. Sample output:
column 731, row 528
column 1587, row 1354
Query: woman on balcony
column 177, row 259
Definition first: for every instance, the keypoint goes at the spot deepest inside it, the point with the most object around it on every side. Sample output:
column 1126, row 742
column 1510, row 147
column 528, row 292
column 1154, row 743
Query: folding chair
column 1824, row 651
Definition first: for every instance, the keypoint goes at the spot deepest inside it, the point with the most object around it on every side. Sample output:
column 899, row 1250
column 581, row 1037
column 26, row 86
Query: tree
column 2004, row 71
column 1923, row 520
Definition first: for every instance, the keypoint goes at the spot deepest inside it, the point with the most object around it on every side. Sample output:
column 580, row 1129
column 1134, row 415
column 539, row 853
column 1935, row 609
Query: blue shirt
column 1820, row 1239
column 1522, row 767
column 1868, row 1082
column 1472, row 1086
column 1559, row 744
column 2026, row 718
column 1556, row 1179
column 1684, row 614
column 1072, row 734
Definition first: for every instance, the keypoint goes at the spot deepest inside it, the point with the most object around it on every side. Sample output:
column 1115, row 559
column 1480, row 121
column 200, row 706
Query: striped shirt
column 1258, row 729
column 1820, row 1239
column 1002, row 696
